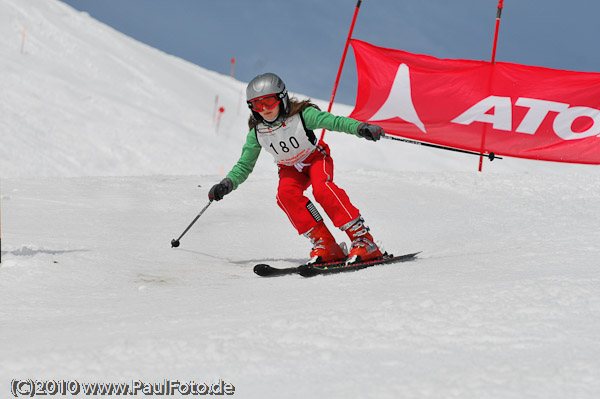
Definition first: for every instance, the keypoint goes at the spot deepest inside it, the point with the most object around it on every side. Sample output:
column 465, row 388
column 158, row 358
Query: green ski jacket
column 313, row 119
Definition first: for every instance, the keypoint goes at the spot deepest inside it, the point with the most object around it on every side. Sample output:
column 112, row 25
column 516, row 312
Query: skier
column 284, row 128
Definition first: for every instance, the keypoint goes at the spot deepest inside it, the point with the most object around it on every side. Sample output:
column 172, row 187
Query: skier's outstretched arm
column 240, row 172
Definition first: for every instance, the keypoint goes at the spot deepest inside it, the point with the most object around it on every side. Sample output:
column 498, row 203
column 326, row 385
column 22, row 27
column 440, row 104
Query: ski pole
column 175, row 242
column 491, row 155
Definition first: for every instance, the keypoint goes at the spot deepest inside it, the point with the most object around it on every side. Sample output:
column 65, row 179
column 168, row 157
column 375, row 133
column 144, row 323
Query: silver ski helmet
column 264, row 85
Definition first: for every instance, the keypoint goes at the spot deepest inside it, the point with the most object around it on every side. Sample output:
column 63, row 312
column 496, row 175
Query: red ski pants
column 318, row 172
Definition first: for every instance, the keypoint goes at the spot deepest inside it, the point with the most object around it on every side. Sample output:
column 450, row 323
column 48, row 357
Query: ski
column 309, row 270
column 270, row 271
column 265, row 270
column 315, row 270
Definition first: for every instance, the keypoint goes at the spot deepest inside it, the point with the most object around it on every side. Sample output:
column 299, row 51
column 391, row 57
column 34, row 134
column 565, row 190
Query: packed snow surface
column 107, row 151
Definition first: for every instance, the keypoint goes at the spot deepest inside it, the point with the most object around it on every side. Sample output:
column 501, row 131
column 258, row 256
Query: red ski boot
column 363, row 247
column 325, row 249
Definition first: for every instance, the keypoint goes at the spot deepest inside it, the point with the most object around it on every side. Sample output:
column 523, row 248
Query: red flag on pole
column 531, row 112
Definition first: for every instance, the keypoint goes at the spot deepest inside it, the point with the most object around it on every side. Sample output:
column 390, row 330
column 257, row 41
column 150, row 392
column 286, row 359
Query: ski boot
column 363, row 247
column 325, row 249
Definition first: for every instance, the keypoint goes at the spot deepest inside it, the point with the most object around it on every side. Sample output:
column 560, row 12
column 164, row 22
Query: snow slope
column 103, row 144
column 503, row 302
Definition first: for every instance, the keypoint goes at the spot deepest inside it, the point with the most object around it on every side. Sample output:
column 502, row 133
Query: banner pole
column 337, row 79
column 498, row 17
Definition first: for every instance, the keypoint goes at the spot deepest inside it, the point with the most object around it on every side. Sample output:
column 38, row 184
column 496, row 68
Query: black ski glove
column 370, row 132
column 218, row 191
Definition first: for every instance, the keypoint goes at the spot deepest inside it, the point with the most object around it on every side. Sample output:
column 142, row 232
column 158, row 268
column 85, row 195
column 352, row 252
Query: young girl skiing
column 284, row 128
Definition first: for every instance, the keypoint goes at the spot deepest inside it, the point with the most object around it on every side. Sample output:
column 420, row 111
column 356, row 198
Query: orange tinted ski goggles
column 260, row 103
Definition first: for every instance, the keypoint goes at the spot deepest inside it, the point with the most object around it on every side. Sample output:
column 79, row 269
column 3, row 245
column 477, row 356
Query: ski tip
column 262, row 270
column 411, row 255
column 308, row 270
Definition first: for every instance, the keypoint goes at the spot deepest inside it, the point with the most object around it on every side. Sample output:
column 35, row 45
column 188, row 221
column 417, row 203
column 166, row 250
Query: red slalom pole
column 232, row 67
column 498, row 17
column 337, row 79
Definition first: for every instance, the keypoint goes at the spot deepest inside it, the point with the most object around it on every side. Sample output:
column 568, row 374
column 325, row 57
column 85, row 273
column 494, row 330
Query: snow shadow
column 245, row 262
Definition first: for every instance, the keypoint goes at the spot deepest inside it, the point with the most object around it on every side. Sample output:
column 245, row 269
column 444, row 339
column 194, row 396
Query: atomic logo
column 399, row 103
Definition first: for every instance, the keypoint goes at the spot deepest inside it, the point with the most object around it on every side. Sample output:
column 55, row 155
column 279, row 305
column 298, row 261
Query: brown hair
column 295, row 107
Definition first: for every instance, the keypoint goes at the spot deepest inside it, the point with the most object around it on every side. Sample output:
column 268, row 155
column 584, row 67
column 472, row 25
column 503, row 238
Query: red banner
column 509, row 109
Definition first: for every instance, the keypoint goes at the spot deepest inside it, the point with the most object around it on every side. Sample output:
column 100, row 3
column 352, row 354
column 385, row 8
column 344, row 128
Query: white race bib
column 289, row 141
